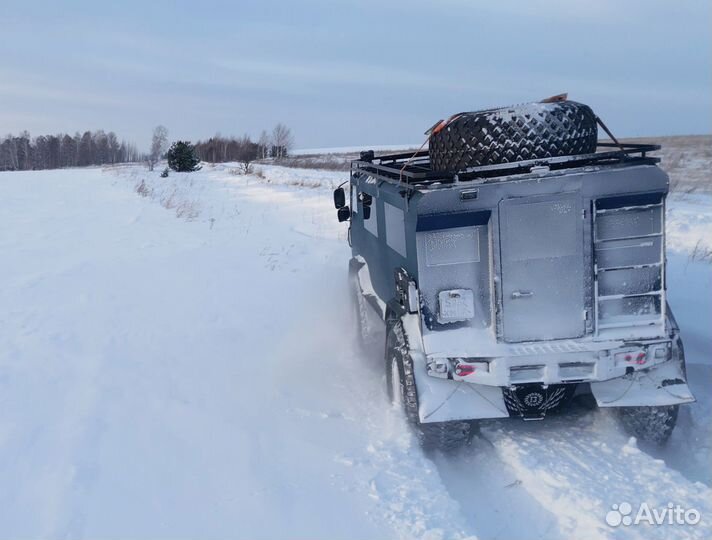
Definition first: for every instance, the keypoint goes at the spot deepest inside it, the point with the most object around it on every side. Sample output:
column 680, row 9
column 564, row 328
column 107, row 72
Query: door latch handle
column 522, row 294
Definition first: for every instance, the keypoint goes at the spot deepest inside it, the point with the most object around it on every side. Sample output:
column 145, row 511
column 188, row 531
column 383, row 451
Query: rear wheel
column 651, row 424
column 402, row 391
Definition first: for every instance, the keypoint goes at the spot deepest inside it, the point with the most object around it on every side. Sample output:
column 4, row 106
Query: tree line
column 219, row 149
column 23, row 153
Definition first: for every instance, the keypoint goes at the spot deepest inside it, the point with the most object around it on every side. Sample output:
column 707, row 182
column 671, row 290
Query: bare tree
column 67, row 152
column 281, row 141
column 62, row 150
column 113, row 147
column 8, row 154
column 100, row 147
column 85, row 150
column 158, row 146
column 263, row 143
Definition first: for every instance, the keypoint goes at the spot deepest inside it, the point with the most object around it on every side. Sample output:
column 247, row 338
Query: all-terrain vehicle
column 515, row 263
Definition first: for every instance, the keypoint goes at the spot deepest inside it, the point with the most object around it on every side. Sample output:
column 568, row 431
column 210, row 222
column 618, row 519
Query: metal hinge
column 585, row 314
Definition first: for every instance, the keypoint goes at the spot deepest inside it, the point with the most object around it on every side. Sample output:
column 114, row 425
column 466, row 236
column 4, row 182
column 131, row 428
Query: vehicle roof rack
column 413, row 170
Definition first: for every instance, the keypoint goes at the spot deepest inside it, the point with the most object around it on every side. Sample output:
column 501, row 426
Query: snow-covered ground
column 177, row 361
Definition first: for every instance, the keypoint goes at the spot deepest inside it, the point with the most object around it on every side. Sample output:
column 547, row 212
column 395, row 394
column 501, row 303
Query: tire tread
column 518, row 133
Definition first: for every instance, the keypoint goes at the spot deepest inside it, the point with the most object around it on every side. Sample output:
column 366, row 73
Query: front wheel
column 366, row 335
column 651, row 424
column 403, row 394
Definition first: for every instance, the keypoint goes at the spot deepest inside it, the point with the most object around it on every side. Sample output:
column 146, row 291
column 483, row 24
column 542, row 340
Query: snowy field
column 177, row 361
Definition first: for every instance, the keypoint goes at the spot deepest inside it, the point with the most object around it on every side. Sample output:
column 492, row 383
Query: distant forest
column 24, row 153
column 220, row 149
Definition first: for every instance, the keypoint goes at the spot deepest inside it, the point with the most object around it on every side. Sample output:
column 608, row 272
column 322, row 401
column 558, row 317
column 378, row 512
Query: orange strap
column 556, row 98
column 444, row 123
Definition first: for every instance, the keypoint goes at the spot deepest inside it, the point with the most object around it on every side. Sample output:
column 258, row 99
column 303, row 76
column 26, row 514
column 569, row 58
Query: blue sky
column 347, row 73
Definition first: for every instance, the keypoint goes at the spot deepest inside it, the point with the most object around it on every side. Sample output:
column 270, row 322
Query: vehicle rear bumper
column 604, row 364
column 443, row 399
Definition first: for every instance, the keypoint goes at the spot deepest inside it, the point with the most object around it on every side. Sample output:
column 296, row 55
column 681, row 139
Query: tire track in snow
column 493, row 502
column 579, row 467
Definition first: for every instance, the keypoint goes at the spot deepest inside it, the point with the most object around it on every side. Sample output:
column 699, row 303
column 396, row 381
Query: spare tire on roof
column 509, row 134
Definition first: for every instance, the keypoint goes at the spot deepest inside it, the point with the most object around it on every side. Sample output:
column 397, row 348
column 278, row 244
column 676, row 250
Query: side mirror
column 366, row 199
column 366, row 212
column 339, row 198
column 343, row 214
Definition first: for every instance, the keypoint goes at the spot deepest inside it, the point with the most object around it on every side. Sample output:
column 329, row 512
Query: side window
column 371, row 224
column 395, row 228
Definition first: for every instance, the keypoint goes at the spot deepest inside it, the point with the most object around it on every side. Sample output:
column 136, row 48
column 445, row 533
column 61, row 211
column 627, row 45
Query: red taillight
column 633, row 357
column 462, row 370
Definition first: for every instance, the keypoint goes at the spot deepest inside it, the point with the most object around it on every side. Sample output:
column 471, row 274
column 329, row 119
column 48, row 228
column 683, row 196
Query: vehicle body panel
column 518, row 275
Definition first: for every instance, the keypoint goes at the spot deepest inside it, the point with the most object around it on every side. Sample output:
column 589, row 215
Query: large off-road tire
column 366, row 334
column 517, row 133
column 445, row 436
column 651, row 424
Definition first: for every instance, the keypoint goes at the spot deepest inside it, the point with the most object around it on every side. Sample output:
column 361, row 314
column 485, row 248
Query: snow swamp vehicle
column 514, row 264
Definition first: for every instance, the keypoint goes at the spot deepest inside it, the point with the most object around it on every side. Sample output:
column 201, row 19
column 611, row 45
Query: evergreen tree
column 182, row 157
column 247, row 152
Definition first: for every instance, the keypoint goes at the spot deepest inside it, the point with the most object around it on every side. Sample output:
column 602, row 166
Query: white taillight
column 438, row 367
column 482, row 367
column 662, row 352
